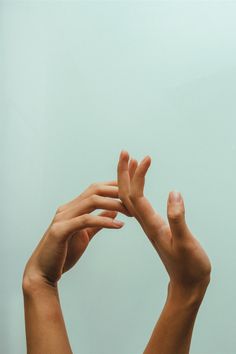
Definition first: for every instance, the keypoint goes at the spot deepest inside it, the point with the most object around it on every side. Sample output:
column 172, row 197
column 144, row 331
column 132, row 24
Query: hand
column 185, row 260
column 70, row 232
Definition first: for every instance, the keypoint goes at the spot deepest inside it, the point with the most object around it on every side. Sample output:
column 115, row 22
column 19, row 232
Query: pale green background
column 79, row 82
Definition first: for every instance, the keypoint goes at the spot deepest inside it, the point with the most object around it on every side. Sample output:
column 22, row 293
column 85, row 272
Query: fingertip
column 109, row 213
column 118, row 223
column 144, row 165
column 133, row 162
column 176, row 214
column 147, row 159
column 175, row 197
column 124, row 154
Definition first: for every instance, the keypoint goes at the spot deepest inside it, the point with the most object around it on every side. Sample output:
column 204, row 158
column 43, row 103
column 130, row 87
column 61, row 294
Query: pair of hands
column 73, row 227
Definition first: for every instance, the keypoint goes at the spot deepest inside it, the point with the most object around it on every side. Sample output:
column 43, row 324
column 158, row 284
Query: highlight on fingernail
column 124, row 152
column 175, row 197
column 146, row 158
column 118, row 223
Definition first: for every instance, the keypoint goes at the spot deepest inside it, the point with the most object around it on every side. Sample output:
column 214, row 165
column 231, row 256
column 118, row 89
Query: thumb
column 176, row 215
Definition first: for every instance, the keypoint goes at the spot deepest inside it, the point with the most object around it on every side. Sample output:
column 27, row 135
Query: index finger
column 123, row 174
column 106, row 189
column 151, row 219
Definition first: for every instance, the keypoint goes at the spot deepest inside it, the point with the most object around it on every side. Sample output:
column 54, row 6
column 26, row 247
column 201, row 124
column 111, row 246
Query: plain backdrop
column 79, row 81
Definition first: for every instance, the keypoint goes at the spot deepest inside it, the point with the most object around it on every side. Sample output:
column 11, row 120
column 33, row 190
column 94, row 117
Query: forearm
column 44, row 323
column 173, row 331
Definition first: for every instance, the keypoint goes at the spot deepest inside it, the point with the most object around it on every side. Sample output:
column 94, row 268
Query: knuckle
column 98, row 188
column 176, row 215
column 85, row 219
column 94, row 186
column 59, row 209
column 55, row 230
column 93, row 199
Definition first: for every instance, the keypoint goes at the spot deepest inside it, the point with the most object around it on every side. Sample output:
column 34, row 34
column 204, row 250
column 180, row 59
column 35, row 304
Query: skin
column 186, row 263
column 60, row 248
column 68, row 236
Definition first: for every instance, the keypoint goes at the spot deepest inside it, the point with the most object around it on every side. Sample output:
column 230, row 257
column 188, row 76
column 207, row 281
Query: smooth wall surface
column 79, row 81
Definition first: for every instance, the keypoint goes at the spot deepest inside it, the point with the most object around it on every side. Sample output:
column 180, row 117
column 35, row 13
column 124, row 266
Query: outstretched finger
column 105, row 189
column 151, row 220
column 94, row 230
column 133, row 164
column 62, row 230
column 176, row 216
column 92, row 203
column 138, row 180
column 123, row 173
column 110, row 183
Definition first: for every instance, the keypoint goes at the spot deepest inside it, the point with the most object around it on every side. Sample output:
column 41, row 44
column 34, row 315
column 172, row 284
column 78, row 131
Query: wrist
column 187, row 296
column 35, row 284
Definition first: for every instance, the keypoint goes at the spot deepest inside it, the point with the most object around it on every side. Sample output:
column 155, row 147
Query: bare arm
column 173, row 331
column 186, row 262
column 44, row 324
column 60, row 248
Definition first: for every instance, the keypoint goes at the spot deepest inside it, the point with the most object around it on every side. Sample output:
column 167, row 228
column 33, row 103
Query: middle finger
column 92, row 203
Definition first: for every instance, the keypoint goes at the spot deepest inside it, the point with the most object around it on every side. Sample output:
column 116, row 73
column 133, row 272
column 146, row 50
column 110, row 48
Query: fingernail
column 118, row 223
column 146, row 158
column 174, row 197
column 124, row 152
